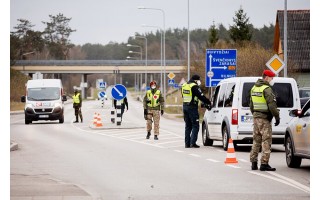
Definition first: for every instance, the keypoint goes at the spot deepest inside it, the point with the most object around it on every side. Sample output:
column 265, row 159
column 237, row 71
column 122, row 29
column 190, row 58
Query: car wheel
column 61, row 120
column 205, row 139
column 292, row 160
column 225, row 138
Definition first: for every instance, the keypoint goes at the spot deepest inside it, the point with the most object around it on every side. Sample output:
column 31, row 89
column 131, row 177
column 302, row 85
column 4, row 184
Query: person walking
column 191, row 94
column 153, row 104
column 263, row 106
column 123, row 103
column 77, row 103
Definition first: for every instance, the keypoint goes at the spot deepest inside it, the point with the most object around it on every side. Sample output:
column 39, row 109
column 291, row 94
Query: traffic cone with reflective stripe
column 99, row 122
column 231, row 154
column 95, row 119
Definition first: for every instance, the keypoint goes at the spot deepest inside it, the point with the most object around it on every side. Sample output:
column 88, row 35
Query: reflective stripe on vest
column 76, row 98
column 258, row 100
column 187, row 93
column 153, row 98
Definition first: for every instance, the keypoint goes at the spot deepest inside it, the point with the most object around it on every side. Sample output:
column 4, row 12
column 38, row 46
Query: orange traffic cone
column 99, row 122
column 231, row 154
column 95, row 119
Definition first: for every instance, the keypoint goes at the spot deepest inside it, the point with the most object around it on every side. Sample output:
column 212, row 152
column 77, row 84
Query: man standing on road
column 124, row 103
column 191, row 94
column 153, row 104
column 263, row 107
column 77, row 103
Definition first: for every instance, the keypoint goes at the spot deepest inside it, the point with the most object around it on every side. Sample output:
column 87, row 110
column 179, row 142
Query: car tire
column 292, row 160
column 61, row 120
column 26, row 121
column 225, row 138
column 205, row 138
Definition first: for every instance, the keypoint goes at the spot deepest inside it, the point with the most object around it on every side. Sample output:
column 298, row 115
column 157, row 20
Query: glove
column 145, row 112
column 161, row 112
column 277, row 122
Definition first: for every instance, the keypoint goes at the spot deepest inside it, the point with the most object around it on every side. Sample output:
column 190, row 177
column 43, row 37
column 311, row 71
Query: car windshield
column 43, row 94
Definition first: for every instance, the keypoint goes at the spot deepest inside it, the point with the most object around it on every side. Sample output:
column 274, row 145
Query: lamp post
column 164, row 45
column 145, row 72
column 161, row 31
column 137, row 46
column 135, row 52
column 188, row 45
column 24, row 54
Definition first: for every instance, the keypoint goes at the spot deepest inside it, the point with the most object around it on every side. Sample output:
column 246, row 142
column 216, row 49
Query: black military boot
column 156, row 137
column 148, row 135
column 254, row 166
column 77, row 120
column 266, row 167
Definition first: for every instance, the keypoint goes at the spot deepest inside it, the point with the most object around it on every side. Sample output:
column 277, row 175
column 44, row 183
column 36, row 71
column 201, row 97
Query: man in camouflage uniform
column 153, row 104
column 77, row 103
column 263, row 106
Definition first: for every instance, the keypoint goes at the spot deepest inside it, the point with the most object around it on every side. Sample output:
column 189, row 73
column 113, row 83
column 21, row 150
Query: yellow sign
column 171, row 75
column 275, row 64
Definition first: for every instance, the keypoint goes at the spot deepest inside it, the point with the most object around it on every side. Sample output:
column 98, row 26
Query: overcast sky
column 102, row 21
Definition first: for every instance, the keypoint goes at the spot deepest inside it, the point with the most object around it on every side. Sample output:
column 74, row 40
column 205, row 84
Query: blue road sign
column 102, row 94
column 176, row 85
column 119, row 92
column 171, row 82
column 102, row 84
column 220, row 64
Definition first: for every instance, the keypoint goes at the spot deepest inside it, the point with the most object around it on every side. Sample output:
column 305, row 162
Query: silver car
column 297, row 138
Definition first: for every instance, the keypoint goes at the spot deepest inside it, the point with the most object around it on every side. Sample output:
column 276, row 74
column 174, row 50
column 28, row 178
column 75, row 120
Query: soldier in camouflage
column 153, row 104
column 263, row 106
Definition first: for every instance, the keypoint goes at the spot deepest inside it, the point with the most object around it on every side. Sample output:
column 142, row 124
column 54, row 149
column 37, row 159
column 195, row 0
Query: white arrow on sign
column 120, row 94
column 224, row 67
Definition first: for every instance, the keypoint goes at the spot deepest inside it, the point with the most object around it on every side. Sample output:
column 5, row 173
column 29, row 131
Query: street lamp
column 137, row 53
column 145, row 76
column 137, row 46
column 24, row 54
column 161, row 31
column 164, row 45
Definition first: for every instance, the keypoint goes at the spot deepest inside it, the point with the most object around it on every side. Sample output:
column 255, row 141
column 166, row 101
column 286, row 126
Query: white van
column 44, row 100
column 230, row 115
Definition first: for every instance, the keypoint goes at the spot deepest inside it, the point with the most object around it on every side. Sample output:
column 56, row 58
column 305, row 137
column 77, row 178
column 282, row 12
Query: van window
column 284, row 96
column 221, row 95
column 246, row 93
column 229, row 95
column 283, row 92
column 215, row 96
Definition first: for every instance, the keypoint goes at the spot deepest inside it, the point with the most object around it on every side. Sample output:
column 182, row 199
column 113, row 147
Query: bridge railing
column 96, row 62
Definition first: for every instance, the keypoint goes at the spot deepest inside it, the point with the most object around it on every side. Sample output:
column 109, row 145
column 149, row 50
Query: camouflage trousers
column 262, row 139
column 153, row 116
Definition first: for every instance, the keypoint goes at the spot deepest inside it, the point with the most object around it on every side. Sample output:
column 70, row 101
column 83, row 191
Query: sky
column 104, row 21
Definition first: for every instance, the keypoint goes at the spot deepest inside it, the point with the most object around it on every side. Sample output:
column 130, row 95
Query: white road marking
column 243, row 160
column 178, row 151
column 233, row 166
column 195, row 155
column 212, row 160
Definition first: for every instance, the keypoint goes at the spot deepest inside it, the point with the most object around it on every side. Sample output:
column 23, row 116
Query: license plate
column 43, row 116
column 247, row 119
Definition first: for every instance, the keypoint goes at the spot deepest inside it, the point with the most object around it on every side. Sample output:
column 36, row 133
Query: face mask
column 198, row 82
column 271, row 83
column 153, row 87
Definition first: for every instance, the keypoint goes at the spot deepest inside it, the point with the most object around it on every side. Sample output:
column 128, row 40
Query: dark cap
column 268, row 73
column 195, row 77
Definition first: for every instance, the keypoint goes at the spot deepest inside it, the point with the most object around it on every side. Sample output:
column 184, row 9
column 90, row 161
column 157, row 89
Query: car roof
column 253, row 78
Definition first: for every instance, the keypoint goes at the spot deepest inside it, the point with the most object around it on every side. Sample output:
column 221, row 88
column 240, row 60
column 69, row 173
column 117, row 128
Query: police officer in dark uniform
column 77, row 103
column 124, row 103
column 191, row 94
column 263, row 106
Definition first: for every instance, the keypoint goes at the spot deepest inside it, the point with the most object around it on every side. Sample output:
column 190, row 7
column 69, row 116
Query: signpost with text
column 220, row 64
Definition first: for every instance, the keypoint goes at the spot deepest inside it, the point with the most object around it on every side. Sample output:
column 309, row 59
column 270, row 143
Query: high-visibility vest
column 153, row 98
column 258, row 100
column 76, row 98
column 187, row 93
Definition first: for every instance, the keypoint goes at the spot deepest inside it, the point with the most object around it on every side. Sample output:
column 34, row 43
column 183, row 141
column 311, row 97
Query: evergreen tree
column 213, row 35
column 241, row 30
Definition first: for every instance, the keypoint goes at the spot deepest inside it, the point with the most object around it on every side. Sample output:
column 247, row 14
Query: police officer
column 191, row 94
column 123, row 103
column 153, row 104
column 263, row 106
column 77, row 103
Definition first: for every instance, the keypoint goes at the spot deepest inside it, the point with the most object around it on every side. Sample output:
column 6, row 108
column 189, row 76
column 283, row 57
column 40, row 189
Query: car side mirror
column 23, row 99
column 294, row 113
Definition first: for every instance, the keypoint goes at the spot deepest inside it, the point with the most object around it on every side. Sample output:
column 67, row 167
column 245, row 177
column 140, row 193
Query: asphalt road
column 117, row 162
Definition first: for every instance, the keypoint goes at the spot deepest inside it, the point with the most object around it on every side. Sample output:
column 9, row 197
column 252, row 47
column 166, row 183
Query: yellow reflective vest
column 76, row 98
column 153, row 98
column 187, row 93
column 258, row 100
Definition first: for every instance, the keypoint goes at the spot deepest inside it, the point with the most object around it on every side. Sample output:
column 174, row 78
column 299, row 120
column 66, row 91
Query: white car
column 297, row 138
